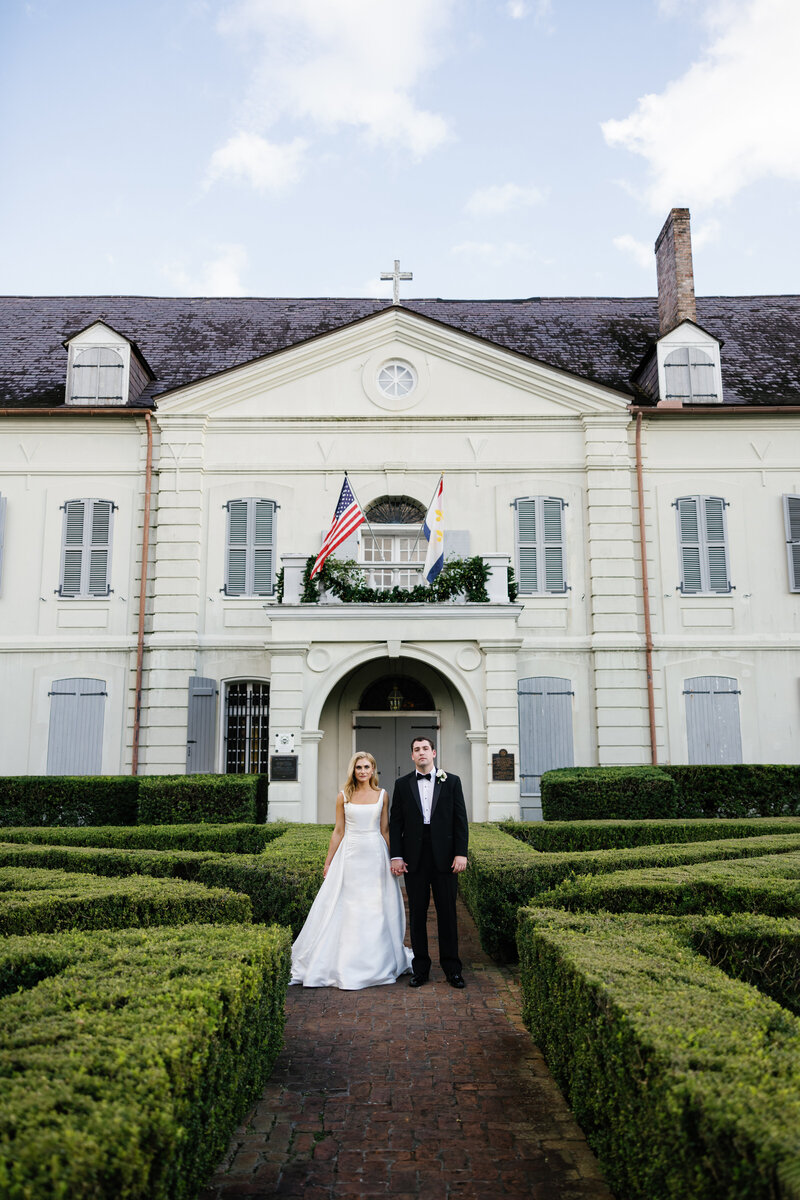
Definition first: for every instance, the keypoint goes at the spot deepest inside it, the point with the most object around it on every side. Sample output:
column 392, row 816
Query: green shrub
column 68, row 799
column 763, row 951
column 129, row 1058
column 182, row 799
column 686, row 1082
column 558, row 836
column 737, row 790
column 225, row 839
column 95, row 860
column 768, row 885
column 501, row 876
column 630, row 793
column 34, row 900
column 610, row 793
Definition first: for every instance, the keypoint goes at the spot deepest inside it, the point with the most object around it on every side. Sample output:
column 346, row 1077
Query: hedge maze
column 660, row 970
column 143, row 974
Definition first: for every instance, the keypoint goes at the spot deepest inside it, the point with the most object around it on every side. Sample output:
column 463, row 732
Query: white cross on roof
column 396, row 275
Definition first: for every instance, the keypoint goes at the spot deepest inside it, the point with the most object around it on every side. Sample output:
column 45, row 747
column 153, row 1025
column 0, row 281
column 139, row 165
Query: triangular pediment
column 438, row 371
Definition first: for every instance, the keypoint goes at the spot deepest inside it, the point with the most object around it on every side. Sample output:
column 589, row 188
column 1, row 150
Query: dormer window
column 104, row 368
column 690, row 376
column 97, row 377
column 689, row 371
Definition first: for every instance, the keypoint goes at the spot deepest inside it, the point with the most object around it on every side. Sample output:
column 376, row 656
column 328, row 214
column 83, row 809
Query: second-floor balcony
column 479, row 579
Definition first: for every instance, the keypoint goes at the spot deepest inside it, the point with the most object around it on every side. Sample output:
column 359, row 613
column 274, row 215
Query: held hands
column 459, row 864
column 398, row 867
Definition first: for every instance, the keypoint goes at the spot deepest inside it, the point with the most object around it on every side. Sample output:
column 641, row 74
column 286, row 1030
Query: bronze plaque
column 502, row 767
column 283, row 766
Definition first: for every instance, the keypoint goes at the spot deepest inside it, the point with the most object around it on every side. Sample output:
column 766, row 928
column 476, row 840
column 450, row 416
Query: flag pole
column 427, row 510
column 364, row 511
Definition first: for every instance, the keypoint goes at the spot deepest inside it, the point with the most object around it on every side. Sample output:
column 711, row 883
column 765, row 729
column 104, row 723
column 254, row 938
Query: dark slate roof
column 603, row 340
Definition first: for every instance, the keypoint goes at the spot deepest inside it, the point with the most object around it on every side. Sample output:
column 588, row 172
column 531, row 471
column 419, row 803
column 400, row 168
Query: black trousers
column 444, row 885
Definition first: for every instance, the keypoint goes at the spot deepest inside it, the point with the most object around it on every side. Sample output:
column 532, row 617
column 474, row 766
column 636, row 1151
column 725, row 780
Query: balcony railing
column 386, row 575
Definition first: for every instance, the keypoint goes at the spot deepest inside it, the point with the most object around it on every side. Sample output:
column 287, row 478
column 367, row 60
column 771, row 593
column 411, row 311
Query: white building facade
column 240, row 460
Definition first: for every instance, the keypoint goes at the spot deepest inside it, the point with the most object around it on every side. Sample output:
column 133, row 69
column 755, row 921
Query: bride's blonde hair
column 352, row 783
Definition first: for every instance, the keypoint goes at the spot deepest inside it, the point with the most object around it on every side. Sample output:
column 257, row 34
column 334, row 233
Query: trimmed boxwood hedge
column 502, row 875
column 556, row 836
column 34, row 900
column 182, row 799
column 768, row 885
column 281, row 882
column 730, row 790
column 685, row 1081
column 225, row 839
column 129, row 1058
column 68, row 799
column 764, row 951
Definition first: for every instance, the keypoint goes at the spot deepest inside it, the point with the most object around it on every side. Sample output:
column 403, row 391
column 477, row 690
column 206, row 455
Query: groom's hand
column 459, row 864
column 398, row 866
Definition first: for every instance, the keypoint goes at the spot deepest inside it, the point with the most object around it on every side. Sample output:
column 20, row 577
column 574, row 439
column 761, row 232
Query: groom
column 428, row 833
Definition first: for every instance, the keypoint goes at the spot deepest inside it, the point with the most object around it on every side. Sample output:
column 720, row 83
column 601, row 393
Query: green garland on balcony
column 345, row 580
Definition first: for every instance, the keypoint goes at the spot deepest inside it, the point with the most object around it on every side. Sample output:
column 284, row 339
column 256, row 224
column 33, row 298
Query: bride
column 353, row 935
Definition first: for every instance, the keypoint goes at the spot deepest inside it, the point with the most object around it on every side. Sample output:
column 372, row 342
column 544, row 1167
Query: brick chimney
column 674, row 271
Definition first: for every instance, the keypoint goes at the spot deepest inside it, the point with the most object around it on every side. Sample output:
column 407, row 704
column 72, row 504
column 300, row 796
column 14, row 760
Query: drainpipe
column 148, row 477
column 648, row 633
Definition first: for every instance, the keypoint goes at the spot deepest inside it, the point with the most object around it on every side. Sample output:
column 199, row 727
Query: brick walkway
column 404, row 1092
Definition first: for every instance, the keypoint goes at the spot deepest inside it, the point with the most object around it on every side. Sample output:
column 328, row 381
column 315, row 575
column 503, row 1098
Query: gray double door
column 387, row 737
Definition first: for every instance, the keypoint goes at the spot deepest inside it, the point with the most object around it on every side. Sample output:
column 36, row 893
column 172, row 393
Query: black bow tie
column 423, row 776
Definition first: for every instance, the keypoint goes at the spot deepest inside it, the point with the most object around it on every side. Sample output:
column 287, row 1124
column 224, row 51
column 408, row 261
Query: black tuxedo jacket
column 449, row 827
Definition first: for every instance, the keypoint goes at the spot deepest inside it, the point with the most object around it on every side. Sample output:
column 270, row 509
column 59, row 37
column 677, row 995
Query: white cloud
column 495, row 254
column 731, row 119
column 641, row 253
column 517, row 9
column 340, row 64
column 220, row 276
column 703, row 235
column 501, row 198
column 268, row 166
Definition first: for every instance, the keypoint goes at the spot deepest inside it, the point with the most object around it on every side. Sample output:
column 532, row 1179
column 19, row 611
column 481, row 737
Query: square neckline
column 364, row 804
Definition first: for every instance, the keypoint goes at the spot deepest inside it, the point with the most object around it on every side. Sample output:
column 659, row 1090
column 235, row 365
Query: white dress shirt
column 426, row 797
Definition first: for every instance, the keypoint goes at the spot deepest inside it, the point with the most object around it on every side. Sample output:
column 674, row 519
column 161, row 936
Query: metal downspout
column 648, row 633
column 148, row 476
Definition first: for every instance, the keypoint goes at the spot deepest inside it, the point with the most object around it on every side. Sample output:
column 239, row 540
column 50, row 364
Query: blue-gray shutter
column 2, row 534
column 201, row 726
column 545, row 729
column 713, row 731
column 86, row 548
column 75, row 740
column 541, row 559
column 791, row 516
column 690, row 376
column 250, row 548
column 702, row 538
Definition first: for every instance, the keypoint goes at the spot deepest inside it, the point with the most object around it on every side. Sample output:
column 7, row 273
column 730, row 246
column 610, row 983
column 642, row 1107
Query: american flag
column 346, row 520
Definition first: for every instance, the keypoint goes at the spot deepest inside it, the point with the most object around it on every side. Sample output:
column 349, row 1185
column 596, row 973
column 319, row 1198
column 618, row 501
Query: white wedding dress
column 353, row 935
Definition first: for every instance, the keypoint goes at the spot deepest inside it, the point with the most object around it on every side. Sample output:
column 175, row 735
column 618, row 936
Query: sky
column 497, row 148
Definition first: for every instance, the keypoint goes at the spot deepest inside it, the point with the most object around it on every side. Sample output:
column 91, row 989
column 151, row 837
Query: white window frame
column 85, row 549
column 96, row 338
column 540, row 544
column 705, row 544
column 690, row 338
column 250, row 548
column 406, row 574
column 791, row 518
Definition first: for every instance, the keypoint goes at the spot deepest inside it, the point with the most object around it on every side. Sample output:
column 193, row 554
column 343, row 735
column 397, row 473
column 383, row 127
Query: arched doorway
column 379, row 707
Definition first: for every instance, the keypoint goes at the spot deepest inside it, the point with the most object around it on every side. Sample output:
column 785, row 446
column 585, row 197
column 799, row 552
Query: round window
column 396, row 379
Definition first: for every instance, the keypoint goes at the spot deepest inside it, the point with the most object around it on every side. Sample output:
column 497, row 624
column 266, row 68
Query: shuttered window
column 691, row 376
column 201, row 726
column 703, row 543
column 86, row 548
column 75, row 738
column 250, row 548
column 541, row 553
column 713, row 729
column 97, row 377
column 545, row 729
column 791, row 515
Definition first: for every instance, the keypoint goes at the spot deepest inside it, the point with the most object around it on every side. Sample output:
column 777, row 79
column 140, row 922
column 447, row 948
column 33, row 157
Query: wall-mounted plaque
column 502, row 767
column 283, row 766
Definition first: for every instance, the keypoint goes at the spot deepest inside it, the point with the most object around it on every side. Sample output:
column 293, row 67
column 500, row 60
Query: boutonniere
column 441, row 776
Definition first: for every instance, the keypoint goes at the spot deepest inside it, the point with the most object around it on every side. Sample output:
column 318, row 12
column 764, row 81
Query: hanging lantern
column 395, row 699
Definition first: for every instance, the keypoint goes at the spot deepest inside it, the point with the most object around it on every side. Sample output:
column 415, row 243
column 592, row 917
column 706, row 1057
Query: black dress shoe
column 418, row 980
column 456, row 981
